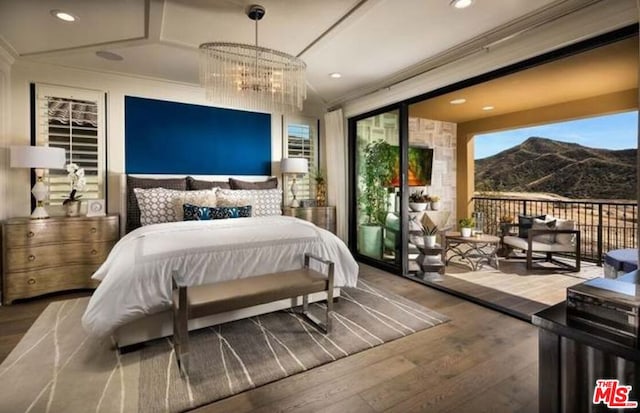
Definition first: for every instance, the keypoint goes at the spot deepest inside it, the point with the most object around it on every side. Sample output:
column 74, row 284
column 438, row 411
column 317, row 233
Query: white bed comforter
column 136, row 277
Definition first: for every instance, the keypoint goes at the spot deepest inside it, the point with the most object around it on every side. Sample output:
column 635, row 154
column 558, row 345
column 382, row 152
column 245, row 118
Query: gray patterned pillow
column 133, row 210
column 264, row 202
column 156, row 205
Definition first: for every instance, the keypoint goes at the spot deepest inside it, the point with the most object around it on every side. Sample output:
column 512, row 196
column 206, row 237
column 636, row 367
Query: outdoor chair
column 545, row 235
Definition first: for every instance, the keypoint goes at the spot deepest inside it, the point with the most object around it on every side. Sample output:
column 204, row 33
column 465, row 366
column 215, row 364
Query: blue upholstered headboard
column 164, row 137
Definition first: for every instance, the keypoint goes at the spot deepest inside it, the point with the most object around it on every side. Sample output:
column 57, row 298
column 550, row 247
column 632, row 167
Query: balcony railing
column 604, row 225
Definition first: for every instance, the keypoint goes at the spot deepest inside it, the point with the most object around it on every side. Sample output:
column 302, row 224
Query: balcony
column 604, row 225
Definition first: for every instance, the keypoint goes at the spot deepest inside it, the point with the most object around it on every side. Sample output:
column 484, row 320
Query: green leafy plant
column 418, row 197
column 427, row 230
column 318, row 176
column 376, row 174
column 467, row 223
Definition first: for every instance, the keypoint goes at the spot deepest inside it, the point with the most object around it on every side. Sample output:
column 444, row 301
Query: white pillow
column 204, row 198
column 232, row 200
column 565, row 239
column 156, row 205
column 544, row 224
column 264, row 202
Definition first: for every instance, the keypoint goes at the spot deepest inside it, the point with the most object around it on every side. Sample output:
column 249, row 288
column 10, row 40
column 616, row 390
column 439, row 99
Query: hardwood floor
column 480, row 361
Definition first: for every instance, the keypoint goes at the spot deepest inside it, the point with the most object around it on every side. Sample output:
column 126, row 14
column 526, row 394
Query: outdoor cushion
column 565, row 239
column 525, row 222
column 546, row 238
column 520, row 243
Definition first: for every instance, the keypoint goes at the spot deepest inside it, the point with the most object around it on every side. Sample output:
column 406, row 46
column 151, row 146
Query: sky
column 617, row 131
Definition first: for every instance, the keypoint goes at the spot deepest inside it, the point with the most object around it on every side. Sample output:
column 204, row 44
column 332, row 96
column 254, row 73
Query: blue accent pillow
column 203, row 213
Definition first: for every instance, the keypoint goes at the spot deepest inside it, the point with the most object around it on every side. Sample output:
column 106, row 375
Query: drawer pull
column 30, row 234
column 31, row 281
column 94, row 252
column 93, row 230
column 32, row 257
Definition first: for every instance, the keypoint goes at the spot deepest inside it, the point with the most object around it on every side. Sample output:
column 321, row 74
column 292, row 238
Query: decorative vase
column 321, row 194
column 466, row 232
column 430, row 241
column 370, row 241
column 435, row 205
column 72, row 208
column 417, row 206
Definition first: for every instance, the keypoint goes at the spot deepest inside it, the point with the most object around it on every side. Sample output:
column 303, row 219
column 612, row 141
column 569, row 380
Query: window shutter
column 74, row 123
column 302, row 142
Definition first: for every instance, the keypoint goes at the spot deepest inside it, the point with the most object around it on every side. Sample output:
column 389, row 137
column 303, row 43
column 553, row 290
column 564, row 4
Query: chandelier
column 252, row 77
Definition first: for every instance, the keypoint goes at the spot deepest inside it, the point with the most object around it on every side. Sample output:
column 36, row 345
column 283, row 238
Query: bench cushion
column 246, row 292
column 517, row 242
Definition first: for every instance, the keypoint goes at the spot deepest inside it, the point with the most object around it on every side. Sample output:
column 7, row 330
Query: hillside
column 566, row 169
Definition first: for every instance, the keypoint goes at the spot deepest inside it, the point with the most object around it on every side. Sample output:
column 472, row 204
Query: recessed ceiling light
column 459, row 101
column 62, row 15
column 335, row 75
column 488, row 107
column 109, row 55
column 461, row 4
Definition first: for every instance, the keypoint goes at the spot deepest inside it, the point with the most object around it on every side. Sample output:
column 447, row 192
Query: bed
column 132, row 301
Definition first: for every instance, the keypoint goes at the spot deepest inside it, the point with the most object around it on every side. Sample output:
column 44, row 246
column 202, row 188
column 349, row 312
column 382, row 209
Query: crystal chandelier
column 252, row 77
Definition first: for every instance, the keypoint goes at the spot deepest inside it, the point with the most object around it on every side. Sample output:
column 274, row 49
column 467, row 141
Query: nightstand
column 54, row 254
column 323, row 217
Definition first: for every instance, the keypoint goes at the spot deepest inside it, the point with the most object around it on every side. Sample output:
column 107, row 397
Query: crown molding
column 7, row 53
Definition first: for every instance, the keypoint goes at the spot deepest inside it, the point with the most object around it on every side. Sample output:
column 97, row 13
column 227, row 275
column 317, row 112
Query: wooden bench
column 205, row 300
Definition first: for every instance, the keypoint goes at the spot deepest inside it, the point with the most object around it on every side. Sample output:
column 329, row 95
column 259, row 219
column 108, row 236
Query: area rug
column 56, row 367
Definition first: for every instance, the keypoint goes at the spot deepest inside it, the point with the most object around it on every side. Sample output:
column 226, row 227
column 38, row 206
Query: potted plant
column 418, row 201
column 321, row 188
column 377, row 172
column 466, row 225
column 430, row 235
column 78, row 183
column 435, row 202
column 507, row 219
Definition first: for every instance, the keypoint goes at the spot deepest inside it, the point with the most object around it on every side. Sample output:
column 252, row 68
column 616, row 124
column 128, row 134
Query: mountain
column 566, row 169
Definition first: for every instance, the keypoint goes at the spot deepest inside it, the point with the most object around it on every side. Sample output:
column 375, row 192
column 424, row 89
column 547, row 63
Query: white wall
column 116, row 86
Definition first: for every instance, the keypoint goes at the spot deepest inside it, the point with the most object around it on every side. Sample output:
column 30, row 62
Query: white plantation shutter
column 72, row 119
column 302, row 142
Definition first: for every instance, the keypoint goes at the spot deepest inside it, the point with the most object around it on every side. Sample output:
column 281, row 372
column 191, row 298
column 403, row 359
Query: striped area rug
column 57, row 368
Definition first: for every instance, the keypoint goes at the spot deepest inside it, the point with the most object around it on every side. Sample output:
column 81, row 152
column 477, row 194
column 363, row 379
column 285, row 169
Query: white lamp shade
column 294, row 166
column 40, row 157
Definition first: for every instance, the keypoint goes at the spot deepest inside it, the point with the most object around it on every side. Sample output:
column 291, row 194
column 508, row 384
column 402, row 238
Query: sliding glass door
column 377, row 221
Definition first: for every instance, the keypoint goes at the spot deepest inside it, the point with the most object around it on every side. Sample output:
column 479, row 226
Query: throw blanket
column 136, row 277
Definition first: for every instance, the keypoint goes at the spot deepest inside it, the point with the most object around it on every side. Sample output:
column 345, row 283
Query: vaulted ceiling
column 370, row 42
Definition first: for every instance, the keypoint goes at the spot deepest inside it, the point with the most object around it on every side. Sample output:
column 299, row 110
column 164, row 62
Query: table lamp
column 40, row 158
column 295, row 167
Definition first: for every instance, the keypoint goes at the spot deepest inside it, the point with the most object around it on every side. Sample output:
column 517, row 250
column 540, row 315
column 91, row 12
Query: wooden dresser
column 324, row 217
column 54, row 254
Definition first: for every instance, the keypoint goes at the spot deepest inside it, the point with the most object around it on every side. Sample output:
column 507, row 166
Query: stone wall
column 441, row 136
